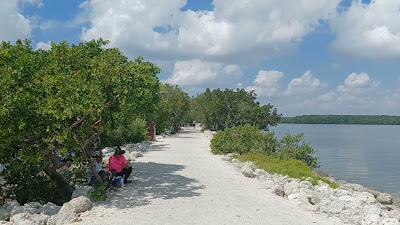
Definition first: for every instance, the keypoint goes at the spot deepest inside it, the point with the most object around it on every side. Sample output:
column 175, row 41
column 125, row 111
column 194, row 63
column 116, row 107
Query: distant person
column 96, row 173
column 119, row 166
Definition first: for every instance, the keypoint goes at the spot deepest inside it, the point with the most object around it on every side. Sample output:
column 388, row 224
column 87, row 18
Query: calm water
column 363, row 154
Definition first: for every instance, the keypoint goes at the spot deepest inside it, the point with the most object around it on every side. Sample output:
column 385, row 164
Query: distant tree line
column 343, row 119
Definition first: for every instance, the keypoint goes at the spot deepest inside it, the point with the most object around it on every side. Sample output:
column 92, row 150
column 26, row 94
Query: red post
column 152, row 131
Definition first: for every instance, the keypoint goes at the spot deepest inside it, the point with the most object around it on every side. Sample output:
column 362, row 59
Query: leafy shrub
column 99, row 193
column 291, row 167
column 247, row 138
column 133, row 132
column 294, row 147
column 241, row 140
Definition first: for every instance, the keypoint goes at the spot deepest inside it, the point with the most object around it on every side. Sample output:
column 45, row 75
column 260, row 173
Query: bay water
column 364, row 154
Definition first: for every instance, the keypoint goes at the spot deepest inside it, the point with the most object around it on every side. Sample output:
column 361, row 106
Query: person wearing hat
column 96, row 173
column 119, row 166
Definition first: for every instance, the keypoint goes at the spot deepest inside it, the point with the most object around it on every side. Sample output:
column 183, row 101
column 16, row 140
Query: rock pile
column 351, row 203
column 132, row 151
column 34, row 213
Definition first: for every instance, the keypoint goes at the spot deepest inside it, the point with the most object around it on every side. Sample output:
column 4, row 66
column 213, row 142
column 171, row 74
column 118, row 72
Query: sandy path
column 178, row 181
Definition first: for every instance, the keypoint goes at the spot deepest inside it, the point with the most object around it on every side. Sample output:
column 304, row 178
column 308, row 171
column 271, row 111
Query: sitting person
column 119, row 166
column 96, row 173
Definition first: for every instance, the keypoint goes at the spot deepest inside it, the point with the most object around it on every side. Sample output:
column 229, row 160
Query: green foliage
column 173, row 108
column 218, row 110
column 68, row 98
column 247, row 138
column 99, row 192
column 294, row 147
column 291, row 167
column 343, row 119
column 243, row 139
column 130, row 132
column 30, row 184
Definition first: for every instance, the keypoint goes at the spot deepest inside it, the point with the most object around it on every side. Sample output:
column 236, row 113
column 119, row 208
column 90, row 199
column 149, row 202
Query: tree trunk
column 62, row 184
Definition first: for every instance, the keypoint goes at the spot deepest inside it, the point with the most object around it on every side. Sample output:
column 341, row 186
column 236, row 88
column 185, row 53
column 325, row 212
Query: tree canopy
column 173, row 108
column 218, row 110
column 67, row 99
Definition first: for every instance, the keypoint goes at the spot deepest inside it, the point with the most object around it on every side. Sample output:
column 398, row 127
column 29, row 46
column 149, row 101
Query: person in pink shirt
column 119, row 166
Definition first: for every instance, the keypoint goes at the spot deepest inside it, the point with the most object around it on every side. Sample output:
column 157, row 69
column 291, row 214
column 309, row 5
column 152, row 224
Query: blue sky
column 313, row 57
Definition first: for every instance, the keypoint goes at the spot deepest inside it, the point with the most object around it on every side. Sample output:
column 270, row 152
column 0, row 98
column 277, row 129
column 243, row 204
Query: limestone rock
column 278, row 190
column 64, row 216
column 81, row 191
column 137, row 154
column 260, row 172
column 69, row 212
column 50, row 209
column 370, row 219
column 11, row 204
column 248, row 169
column 80, row 204
column 5, row 214
column 24, row 209
column 385, row 198
column 314, row 199
column 353, row 187
column 29, row 219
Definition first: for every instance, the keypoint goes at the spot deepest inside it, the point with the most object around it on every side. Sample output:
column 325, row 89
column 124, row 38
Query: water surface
column 363, row 154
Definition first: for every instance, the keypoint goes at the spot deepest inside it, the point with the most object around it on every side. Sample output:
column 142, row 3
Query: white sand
column 178, row 181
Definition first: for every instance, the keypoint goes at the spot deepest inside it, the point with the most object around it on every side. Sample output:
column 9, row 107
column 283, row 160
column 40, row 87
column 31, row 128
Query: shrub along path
column 179, row 181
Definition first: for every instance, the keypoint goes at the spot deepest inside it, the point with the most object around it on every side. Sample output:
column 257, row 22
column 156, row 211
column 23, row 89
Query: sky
column 303, row 57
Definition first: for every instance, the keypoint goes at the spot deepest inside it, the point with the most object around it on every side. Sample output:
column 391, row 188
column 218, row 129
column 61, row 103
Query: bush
column 133, row 132
column 242, row 139
column 291, row 167
column 247, row 138
column 294, row 147
column 99, row 192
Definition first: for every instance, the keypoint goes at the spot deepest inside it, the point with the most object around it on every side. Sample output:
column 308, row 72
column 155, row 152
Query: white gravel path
column 178, row 181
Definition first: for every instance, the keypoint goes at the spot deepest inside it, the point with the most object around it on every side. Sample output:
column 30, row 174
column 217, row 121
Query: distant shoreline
column 342, row 119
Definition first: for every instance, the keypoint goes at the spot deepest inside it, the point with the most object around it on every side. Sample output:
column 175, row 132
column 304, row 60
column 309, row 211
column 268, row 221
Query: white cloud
column 43, row 45
column 267, row 83
column 369, row 30
column 357, row 83
column 192, row 73
column 307, row 83
column 234, row 30
column 14, row 25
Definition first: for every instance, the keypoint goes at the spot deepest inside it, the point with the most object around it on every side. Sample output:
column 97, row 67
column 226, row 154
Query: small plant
column 99, row 192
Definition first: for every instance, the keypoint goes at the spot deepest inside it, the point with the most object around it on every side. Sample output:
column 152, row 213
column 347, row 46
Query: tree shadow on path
column 153, row 181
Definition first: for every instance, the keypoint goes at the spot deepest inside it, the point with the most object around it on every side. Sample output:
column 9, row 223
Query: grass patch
column 291, row 167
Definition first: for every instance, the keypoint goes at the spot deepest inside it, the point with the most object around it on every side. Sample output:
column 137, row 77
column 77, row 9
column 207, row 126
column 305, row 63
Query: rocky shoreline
column 351, row 203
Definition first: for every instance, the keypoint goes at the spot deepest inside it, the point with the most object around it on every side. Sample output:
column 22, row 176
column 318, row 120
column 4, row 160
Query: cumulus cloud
column 267, row 83
column 43, row 45
column 14, row 25
column 369, row 30
column 195, row 72
column 234, row 30
column 357, row 83
column 307, row 83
